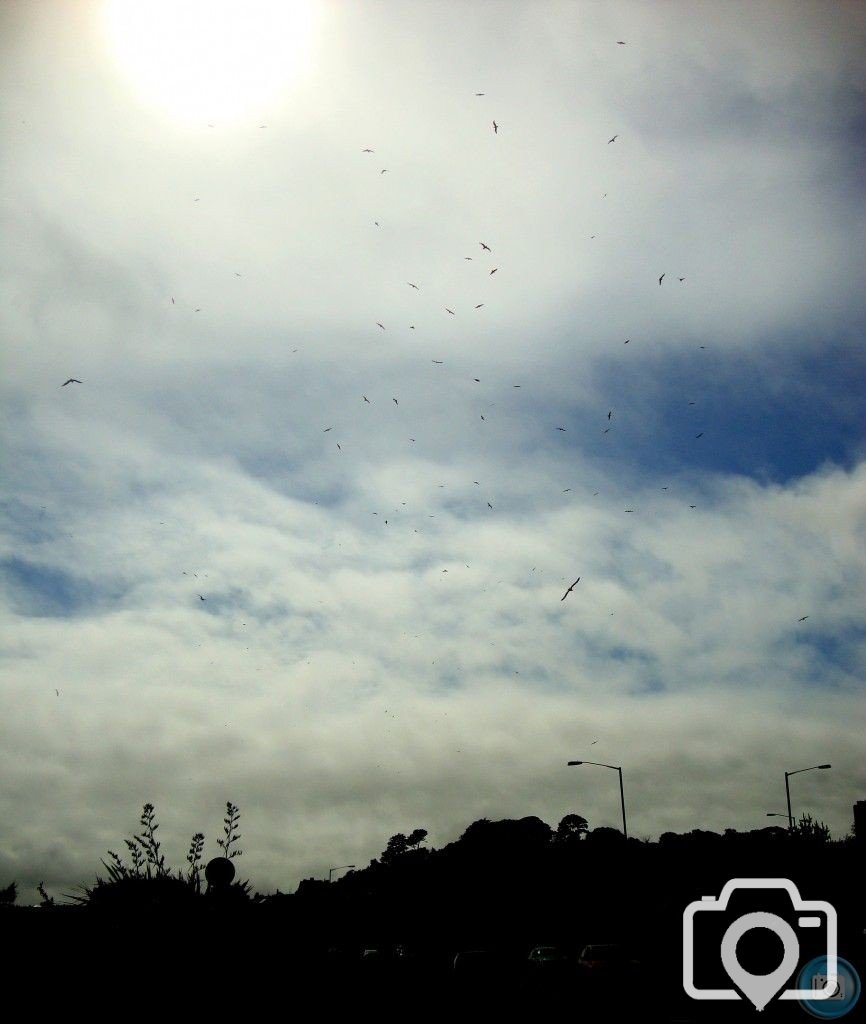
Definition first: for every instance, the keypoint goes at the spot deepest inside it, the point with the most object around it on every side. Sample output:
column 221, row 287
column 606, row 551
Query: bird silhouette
column 415, row 286
column 565, row 595
column 201, row 598
column 699, row 435
column 451, row 311
column 803, row 619
column 483, row 246
column 561, row 428
column 325, row 431
column 72, row 380
column 494, row 270
column 367, row 400
column 394, row 400
column 380, row 325
column 480, row 304
column 495, row 128
column 368, row 150
column 609, row 141
column 661, row 278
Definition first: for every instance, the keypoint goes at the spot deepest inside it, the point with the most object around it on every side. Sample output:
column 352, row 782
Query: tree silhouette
column 571, row 829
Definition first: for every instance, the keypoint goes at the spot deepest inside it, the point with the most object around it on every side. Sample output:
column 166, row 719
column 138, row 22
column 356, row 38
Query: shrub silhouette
column 148, row 883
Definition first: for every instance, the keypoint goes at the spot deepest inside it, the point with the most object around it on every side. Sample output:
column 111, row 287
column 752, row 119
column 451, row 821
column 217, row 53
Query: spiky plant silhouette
column 148, row 881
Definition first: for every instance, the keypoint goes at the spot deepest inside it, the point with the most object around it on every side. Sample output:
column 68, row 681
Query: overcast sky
column 191, row 228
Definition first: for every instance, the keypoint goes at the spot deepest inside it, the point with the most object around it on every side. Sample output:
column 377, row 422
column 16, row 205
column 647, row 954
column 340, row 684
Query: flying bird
column 495, row 128
column 681, row 279
column 380, row 325
column 367, row 400
column 483, row 246
column 803, row 619
column 699, row 435
column 439, row 361
column 338, row 446
column 620, row 42
column 561, row 428
column 325, row 431
column 609, row 141
column 627, row 340
column 609, row 413
column 201, row 598
column 480, row 304
column 489, row 505
column 394, row 400
column 693, row 506
column 451, row 311
column 384, row 171
column 494, row 270
column 72, row 380
column 565, row 595
column 661, row 278
column 415, row 286
column 479, row 94
column 368, row 150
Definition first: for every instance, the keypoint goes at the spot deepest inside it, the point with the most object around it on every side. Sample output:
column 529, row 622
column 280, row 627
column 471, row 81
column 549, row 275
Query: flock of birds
column 485, row 248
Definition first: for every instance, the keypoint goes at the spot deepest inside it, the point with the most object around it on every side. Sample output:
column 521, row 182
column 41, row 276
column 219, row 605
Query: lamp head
column 575, row 762
column 825, row 765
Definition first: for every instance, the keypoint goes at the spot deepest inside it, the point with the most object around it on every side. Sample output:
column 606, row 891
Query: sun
column 210, row 60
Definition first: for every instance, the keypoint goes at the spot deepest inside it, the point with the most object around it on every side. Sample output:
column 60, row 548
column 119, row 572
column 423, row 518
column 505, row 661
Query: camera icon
column 761, row 988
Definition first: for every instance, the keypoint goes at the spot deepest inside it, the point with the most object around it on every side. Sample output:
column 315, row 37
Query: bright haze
column 225, row 571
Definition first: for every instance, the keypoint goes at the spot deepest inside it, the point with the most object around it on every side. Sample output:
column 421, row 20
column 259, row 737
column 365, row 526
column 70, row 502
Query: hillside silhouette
column 504, row 914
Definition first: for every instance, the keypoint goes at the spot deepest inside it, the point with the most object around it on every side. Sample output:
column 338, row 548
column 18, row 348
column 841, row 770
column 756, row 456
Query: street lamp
column 340, row 868
column 615, row 768
column 788, row 788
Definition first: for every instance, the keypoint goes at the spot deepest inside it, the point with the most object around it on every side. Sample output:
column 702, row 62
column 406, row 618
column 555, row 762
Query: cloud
column 337, row 683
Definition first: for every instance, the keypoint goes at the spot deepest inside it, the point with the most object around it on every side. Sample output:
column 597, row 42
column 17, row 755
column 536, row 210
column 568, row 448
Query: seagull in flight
column 367, row 400
column 681, row 279
column 803, row 619
column 384, row 171
column 494, row 270
column 483, row 246
column 620, row 42
column 661, row 279
column 495, row 128
column 380, row 325
column 201, row 598
column 72, row 380
column 565, row 595
column 368, row 150
column 480, row 304
column 415, row 286
column 438, row 361
column 609, row 141
column 699, row 435
column 561, row 428
column 325, row 431
column 489, row 505
column 479, row 94
column 394, row 400
column 451, row 311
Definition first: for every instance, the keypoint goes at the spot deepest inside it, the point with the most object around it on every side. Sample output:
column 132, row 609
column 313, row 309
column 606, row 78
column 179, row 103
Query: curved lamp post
column 340, row 868
column 615, row 768
column 814, row 767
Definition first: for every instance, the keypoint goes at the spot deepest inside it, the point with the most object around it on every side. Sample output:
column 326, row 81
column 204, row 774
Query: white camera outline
column 710, row 903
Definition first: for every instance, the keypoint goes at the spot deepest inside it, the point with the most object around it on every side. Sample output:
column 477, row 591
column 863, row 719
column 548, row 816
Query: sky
column 192, row 228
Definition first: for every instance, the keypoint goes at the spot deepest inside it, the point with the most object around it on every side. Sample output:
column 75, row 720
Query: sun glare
column 209, row 60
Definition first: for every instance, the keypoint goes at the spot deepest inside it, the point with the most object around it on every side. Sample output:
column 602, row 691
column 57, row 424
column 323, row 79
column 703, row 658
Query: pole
column 788, row 795
column 622, row 802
